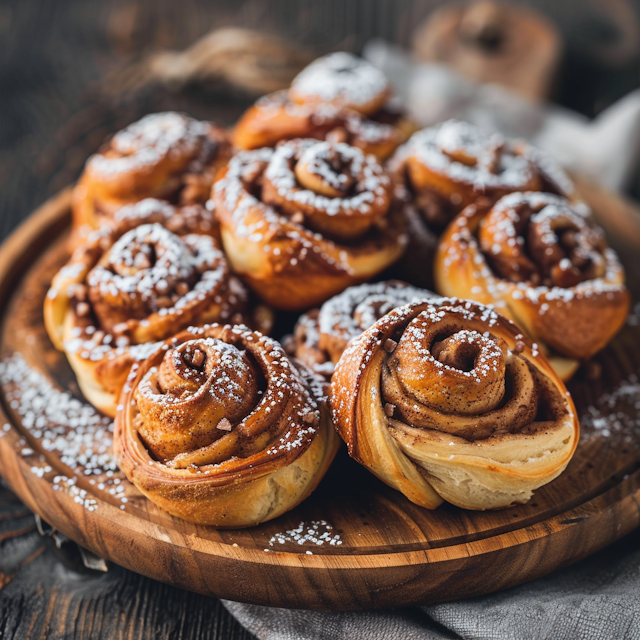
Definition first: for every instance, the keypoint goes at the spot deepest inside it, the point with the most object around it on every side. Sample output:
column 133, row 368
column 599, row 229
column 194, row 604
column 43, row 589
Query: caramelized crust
column 339, row 97
column 449, row 166
column 219, row 427
column 167, row 156
column 447, row 400
column 342, row 79
column 305, row 220
column 542, row 262
column 126, row 288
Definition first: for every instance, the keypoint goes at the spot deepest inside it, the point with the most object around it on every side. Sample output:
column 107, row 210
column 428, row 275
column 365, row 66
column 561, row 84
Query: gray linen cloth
column 596, row 599
column 599, row 598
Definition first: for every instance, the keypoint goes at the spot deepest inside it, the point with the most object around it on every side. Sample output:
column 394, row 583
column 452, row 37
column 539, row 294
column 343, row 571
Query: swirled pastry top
column 311, row 209
column 342, row 79
column 541, row 239
column 220, row 427
column 159, row 145
column 322, row 335
column 430, row 383
column 456, row 162
column 150, row 270
column 244, row 379
column 327, row 182
column 167, row 156
column 339, row 97
column 542, row 261
column 332, row 188
column 130, row 286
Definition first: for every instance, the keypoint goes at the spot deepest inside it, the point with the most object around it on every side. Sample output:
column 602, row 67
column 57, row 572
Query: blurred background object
column 243, row 59
column 495, row 42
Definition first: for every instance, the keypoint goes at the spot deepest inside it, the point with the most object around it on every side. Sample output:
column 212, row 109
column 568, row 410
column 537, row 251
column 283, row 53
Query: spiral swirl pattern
column 306, row 220
column 341, row 98
column 166, row 143
column 204, row 381
column 541, row 239
column 167, row 156
column 542, row 261
column 118, row 296
column 339, row 191
column 454, row 379
column 448, row 167
column 322, row 335
column 149, row 270
column 446, row 399
column 223, row 410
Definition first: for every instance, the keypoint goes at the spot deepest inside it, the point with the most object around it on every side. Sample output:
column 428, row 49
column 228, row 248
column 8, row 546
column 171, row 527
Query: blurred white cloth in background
column 607, row 148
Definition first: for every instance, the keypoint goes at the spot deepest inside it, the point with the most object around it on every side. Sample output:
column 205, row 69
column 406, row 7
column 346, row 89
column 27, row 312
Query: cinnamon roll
column 447, row 400
column 304, row 221
column 321, row 335
column 219, row 427
column 123, row 291
column 540, row 261
column 449, row 166
column 444, row 168
column 168, row 156
column 339, row 97
column 193, row 218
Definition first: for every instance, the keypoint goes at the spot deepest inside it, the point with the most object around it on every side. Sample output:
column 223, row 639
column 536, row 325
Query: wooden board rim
column 39, row 229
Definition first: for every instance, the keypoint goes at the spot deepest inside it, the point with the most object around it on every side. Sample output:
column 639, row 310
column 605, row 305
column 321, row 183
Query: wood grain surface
column 57, row 106
column 48, row 593
column 391, row 552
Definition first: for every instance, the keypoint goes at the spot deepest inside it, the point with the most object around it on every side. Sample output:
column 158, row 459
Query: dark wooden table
column 55, row 109
column 47, row 592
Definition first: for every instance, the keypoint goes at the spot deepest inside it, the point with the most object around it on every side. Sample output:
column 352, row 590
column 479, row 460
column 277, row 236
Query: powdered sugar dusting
column 357, row 308
column 286, row 241
column 371, row 181
column 460, row 247
column 68, row 428
column 148, row 141
column 146, row 286
column 341, row 77
column 316, row 532
column 615, row 415
column 491, row 160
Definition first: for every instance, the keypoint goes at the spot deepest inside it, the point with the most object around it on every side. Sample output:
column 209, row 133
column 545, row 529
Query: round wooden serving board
column 378, row 549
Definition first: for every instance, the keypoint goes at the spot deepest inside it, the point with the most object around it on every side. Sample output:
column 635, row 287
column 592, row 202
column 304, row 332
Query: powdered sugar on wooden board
column 68, row 428
column 316, row 532
column 615, row 415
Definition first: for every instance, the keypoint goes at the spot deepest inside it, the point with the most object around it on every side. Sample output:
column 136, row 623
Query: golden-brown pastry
column 125, row 289
column 180, row 219
column 449, row 166
column 540, row 261
column 164, row 155
column 339, row 97
column 444, row 168
column 221, row 428
column 304, row 221
column 321, row 335
column 447, row 400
